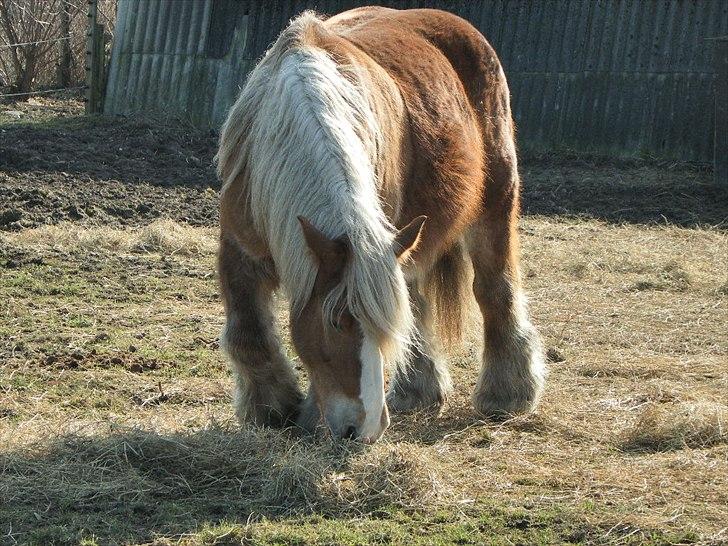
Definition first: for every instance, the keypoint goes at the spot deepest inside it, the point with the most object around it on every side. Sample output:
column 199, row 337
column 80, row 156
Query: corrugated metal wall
column 629, row 77
column 160, row 60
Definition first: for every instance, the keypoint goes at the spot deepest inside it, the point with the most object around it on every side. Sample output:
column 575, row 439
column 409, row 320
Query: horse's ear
column 331, row 254
column 407, row 238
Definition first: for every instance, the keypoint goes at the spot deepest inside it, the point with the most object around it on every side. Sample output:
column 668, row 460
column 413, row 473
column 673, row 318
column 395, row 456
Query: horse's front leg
column 309, row 415
column 267, row 391
column 425, row 382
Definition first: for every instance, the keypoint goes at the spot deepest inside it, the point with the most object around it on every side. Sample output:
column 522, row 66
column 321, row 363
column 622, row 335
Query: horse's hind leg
column 426, row 381
column 513, row 372
column 267, row 392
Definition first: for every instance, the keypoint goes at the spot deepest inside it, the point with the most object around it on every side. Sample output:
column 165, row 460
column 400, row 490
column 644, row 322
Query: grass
column 161, row 236
column 116, row 424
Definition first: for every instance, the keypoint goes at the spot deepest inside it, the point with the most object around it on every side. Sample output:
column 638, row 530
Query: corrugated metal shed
column 631, row 77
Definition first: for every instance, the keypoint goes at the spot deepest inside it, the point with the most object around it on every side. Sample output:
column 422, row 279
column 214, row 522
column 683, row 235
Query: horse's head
column 345, row 365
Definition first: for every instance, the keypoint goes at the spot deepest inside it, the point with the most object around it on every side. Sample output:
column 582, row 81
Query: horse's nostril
column 351, row 433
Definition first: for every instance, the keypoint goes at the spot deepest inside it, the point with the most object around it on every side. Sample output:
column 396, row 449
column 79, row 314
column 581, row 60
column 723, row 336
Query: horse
column 369, row 169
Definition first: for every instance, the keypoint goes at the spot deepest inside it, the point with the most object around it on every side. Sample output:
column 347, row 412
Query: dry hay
column 632, row 316
column 162, row 236
column 401, row 475
column 262, row 470
column 666, row 427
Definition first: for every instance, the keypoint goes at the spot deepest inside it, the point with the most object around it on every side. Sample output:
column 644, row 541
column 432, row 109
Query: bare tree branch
column 38, row 24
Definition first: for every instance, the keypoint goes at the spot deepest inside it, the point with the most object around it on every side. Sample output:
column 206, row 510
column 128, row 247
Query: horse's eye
column 336, row 324
column 343, row 322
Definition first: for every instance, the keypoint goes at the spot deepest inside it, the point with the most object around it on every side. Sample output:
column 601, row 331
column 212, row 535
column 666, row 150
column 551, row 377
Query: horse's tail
column 447, row 287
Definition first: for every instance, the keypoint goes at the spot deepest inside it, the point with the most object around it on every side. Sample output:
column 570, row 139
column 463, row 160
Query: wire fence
column 9, row 46
column 44, row 91
column 47, row 60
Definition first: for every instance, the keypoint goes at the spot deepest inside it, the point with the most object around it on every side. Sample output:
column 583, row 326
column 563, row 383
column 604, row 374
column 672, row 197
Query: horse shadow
column 135, row 485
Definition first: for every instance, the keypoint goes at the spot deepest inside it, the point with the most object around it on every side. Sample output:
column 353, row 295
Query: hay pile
column 666, row 427
column 162, row 236
column 259, row 471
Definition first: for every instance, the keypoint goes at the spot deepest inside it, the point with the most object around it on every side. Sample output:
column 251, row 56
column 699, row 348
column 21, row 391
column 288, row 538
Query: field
column 115, row 417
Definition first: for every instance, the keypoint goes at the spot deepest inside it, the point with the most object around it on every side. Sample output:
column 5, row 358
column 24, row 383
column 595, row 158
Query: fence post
column 720, row 157
column 94, row 60
column 64, row 67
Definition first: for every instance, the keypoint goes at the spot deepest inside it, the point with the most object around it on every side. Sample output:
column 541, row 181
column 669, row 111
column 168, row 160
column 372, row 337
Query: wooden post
column 94, row 60
column 100, row 74
column 720, row 157
column 64, row 67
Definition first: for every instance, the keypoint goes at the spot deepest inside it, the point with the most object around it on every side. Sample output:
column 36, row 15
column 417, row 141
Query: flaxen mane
column 304, row 139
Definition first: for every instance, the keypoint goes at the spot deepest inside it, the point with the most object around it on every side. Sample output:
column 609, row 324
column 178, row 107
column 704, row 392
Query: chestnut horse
column 369, row 160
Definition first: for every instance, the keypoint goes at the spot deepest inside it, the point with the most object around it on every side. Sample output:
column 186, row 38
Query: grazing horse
column 368, row 161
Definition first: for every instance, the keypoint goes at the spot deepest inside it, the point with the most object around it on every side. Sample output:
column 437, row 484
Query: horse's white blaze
column 371, row 390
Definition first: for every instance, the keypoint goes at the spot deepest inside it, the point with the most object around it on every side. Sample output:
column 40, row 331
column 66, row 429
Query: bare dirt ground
column 56, row 165
column 115, row 416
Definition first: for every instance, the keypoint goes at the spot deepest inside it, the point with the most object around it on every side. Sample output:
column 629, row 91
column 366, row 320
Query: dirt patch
column 110, row 148
column 104, row 171
column 91, row 359
column 30, row 200
column 641, row 193
column 56, row 165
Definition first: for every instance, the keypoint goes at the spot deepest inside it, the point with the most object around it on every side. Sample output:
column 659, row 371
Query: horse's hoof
column 492, row 406
column 512, row 386
column 279, row 412
column 404, row 402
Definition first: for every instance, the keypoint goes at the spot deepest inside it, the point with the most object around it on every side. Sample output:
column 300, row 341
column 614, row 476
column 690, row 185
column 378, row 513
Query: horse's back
column 400, row 40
